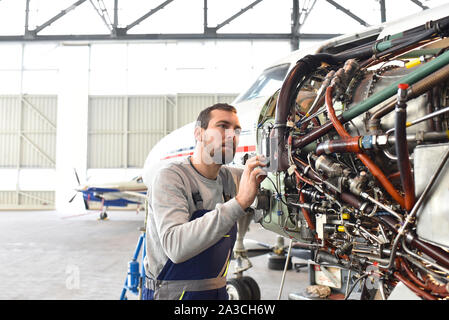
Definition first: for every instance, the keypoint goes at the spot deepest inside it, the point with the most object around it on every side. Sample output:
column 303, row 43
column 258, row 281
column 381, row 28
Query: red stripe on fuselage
column 239, row 149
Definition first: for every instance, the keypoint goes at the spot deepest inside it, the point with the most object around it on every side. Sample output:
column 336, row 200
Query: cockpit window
column 266, row 84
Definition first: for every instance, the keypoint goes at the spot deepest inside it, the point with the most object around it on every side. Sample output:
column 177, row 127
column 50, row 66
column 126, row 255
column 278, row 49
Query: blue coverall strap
column 228, row 191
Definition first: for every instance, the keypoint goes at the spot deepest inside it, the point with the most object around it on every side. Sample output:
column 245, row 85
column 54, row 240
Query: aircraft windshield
column 266, row 84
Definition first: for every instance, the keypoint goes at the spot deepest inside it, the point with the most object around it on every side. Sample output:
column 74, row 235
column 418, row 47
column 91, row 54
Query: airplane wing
column 134, row 194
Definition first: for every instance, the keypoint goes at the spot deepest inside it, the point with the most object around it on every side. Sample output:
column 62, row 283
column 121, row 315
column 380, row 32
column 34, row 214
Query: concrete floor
column 48, row 255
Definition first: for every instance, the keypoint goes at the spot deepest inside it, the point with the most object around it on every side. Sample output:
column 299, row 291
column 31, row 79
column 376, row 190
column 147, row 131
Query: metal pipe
column 411, row 253
column 355, row 202
column 410, row 258
column 420, row 87
column 339, row 145
column 372, row 167
column 432, row 251
column 403, row 161
column 421, row 136
column 423, row 71
column 417, row 205
column 411, row 274
column 436, row 92
column 382, row 289
column 411, row 78
column 384, row 108
column 424, row 118
column 380, row 204
column 305, row 213
column 285, row 268
column 414, row 288
column 285, row 101
column 426, row 190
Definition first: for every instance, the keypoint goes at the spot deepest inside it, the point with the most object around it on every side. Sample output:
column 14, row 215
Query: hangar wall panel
column 105, row 132
column 28, row 131
column 190, row 105
column 121, row 132
column 147, row 124
column 39, row 114
column 123, row 129
column 10, row 115
column 27, row 199
column 27, row 140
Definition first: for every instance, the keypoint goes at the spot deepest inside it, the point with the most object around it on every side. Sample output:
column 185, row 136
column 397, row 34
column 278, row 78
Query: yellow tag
column 413, row 63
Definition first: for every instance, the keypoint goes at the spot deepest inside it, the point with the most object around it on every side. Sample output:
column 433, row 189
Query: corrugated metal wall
column 121, row 132
column 27, row 199
column 123, row 129
column 27, row 140
column 190, row 105
column 10, row 124
column 28, row 131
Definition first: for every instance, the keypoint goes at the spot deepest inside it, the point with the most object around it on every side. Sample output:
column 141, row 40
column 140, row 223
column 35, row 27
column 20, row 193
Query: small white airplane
column 113, row 194
column 260, row 102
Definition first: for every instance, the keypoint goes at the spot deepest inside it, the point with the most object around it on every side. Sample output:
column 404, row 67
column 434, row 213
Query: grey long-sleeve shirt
column 170, row 234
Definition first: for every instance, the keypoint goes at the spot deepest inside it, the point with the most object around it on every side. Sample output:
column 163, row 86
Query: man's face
column 221, row 137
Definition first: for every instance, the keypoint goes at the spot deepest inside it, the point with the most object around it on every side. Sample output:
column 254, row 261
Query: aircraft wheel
column 277, row 262
column 237, row 289
column 253, row 287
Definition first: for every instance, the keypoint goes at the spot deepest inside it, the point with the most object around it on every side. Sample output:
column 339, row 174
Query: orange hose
column 394, row 175
column 412, row 275
column 413, row 287
column 372, row 167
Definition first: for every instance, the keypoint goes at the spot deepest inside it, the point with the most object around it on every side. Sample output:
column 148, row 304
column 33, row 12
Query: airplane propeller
column 86, row 205
column 71, row 199
column 77, row 179
column 76, row 175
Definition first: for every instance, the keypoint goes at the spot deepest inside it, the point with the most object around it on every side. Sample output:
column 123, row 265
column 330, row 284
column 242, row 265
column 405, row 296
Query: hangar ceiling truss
column 111, row 16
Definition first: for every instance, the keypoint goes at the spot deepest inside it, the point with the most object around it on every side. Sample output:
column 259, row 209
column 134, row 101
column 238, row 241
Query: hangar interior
column 87, row 88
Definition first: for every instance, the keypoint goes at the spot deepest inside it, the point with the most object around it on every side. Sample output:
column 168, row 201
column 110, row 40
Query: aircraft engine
column 358, row 142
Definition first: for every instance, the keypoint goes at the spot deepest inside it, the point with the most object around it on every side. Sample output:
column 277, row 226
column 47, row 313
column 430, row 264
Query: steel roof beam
column 383, row 11
column 297, row 14
column 149, row 13
column 56, row 17
column 172, row 36
column 349, row 13
column 419, row 4
column 102, row 13
column 242, row 11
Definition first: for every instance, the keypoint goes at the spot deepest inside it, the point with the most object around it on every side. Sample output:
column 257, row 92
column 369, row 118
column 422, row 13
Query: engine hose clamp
column 306, row 169
column 363, row 207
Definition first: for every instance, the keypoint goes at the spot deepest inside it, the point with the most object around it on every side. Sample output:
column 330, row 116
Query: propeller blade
column 76, row 175
column 73, row 197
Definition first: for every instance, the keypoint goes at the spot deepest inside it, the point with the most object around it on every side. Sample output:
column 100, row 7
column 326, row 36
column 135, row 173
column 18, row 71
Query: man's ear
column 198, row 133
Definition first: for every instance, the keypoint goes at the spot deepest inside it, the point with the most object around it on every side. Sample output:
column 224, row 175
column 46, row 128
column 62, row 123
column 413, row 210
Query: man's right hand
column 250, row 181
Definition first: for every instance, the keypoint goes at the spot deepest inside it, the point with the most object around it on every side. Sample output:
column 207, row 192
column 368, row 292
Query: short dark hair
column 204, row 116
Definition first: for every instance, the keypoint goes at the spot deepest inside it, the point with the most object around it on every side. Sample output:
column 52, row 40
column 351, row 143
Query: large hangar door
column 28, row 149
